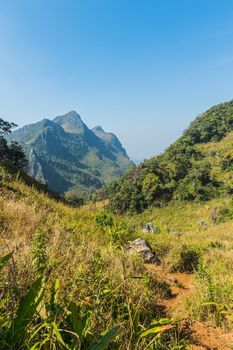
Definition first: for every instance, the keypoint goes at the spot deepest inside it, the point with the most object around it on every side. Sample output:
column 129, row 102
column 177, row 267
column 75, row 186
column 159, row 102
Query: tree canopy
column 11, row 153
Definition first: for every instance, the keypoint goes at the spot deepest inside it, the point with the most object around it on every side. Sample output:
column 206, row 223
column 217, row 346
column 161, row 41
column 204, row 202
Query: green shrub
column 104, row 219
column 212, row 297
column 189, row 259
column 121, row 233
column 216, row 245
column 220, row 214
column 39, row 250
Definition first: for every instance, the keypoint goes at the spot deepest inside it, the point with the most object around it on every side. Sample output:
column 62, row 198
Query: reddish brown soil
column 201, row 335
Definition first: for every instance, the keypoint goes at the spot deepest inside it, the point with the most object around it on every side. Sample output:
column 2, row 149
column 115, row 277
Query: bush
column 189, row 259
column 220, row 214
column 104, row 219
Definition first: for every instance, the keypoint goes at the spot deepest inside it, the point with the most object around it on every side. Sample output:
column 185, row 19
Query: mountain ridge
column 66, row 155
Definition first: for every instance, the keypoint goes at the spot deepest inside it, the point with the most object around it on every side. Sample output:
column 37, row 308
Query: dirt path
column 201, row 335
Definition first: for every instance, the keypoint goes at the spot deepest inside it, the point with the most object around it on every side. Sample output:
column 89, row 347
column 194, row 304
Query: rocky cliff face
column 65, row 154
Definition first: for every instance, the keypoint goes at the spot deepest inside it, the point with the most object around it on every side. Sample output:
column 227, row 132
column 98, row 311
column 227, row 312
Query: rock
column 149, row 228
column 202, row 223
column 141, row 247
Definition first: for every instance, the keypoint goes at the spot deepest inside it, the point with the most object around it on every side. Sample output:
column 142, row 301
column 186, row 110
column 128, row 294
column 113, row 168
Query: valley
column 69, row 279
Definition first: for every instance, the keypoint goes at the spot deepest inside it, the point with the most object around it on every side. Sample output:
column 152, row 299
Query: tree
column 199, row 184
column 3, row 148
column 17, row 156
column 6, row 127
column 13, row 153
column 149, row 187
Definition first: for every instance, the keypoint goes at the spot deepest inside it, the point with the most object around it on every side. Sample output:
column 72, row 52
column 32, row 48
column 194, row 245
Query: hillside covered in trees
column 197, row 167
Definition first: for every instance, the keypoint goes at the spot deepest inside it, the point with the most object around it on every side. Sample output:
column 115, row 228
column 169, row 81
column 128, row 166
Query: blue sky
column 140, row 68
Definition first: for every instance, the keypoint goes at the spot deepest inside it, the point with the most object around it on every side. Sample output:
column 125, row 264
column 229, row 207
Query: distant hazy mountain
column 66, row 154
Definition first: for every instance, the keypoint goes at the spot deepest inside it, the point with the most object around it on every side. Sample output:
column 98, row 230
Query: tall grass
column 69, row 282
column 86, row 290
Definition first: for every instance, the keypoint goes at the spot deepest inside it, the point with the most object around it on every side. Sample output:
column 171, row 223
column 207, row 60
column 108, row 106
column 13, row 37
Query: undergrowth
column 67, row 281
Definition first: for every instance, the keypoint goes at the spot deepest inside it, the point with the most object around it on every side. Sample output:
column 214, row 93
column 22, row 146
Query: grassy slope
column 209, row 249
column 88, row 261
column 64, row 243
column 184, row 217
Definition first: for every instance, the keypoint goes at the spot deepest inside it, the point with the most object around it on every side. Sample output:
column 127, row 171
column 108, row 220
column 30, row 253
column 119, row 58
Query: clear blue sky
column 140, row 68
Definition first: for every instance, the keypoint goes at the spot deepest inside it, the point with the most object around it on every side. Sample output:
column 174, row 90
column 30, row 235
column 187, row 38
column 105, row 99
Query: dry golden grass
column 68, row 245
column 213, row 244
column 96, row 273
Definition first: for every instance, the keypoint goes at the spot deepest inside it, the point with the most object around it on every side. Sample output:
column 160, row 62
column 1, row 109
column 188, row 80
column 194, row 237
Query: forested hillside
column 197, row 167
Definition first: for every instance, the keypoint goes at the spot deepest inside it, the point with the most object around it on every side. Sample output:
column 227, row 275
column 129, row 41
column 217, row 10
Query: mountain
column 66, row 155
column 109, row 139
column 197, row 167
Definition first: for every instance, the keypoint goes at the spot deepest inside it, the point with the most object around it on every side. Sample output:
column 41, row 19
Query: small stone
column 202, row 223
column 149, row 227
column 141, row 247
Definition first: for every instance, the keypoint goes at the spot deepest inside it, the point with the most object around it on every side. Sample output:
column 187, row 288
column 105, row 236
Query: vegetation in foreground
column 67, row 281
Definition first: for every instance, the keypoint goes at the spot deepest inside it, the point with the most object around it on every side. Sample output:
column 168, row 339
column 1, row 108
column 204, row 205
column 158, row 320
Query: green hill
column 197, row 167
column 69, row 280
column 66, row 155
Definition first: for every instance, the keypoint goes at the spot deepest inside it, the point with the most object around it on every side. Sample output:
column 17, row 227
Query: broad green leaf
column 59, row 336
column 36, row 346
column 106, row 339
column 164, row 321
column 156, row 330
column 38, row 329
column 86, row 321
column 25, row 312
column 77, row 324
column 52, row 308
column 76, row 319
column 134, row 317
column 224, row 312
column 212, row 304
column 4, row 260
column 54, row 291
column 80, row 325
